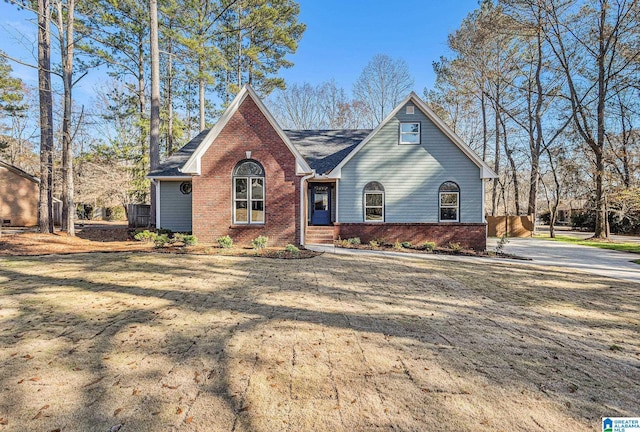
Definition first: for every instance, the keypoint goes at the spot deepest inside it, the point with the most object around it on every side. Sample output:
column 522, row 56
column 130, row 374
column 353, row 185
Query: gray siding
column 411, row 175
column 175, row 207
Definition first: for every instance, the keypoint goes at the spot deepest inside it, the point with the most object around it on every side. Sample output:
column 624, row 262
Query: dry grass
column 334, row 343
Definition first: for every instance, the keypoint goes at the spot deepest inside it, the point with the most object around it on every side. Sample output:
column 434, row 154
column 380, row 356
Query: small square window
column 410, row 133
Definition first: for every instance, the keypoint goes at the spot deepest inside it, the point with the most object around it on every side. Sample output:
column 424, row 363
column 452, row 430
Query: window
column 185, row 188
column 410, row 133
column 248, row 193
column 449, row 202
column 374, row 202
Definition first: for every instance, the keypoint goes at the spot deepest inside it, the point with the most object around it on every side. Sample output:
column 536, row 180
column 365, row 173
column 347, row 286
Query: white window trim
column 367, row 207
column 457, row 206
column 410, row 133
column 249, row 201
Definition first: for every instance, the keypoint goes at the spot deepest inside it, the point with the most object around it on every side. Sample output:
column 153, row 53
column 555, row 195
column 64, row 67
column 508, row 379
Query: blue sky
column 341, row 37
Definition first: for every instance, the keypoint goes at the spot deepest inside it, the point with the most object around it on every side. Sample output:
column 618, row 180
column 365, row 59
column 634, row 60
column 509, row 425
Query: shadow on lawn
column 516, row 328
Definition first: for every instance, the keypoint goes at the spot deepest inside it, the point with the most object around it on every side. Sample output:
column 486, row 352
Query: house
column 18, row 196
column 409, row 179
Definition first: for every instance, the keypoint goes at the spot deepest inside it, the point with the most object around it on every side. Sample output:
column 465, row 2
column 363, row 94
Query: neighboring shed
column 18, row 196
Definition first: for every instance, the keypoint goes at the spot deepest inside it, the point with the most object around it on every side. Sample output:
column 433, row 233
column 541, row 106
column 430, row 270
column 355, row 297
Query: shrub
column 341, row 243
column 146, row 236
column 189, row 240
column 428, row 246
column 406, row 244
column 454, row 246
column 502, row 243
column 225, row 242
column 374, row 244
column 291, row 248
column 161, row 240
column 260, row 242
column 397, row 245
column 115, row 213
column 354, row 241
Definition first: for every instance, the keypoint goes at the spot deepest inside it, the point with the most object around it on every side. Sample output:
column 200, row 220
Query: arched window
column 374, row 202
column 449, row 197
column 248, row 193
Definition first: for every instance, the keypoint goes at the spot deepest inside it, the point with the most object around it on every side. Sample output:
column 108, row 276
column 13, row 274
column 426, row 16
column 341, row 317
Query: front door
column 320, row 204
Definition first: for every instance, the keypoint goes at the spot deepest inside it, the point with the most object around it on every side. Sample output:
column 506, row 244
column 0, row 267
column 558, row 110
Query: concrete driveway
column 592, row 260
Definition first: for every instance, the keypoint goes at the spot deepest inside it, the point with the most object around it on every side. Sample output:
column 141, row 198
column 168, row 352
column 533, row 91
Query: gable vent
column 410, row 109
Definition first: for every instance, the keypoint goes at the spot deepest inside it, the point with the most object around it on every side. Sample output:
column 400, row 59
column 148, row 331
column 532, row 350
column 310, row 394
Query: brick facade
column 18, row 199
column 247, row 130
column 469, row 235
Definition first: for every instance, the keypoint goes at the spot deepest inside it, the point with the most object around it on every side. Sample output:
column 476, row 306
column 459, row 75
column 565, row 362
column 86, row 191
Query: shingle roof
column 170, row 166
column 324, row 149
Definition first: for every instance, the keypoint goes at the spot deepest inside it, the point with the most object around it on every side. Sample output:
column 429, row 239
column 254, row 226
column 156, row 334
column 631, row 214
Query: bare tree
column 382, row 85
column 596, row 49
column 298, row 107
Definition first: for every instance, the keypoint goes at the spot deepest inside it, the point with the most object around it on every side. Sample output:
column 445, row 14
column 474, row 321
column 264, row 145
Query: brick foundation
column 247, row 130
column 469, row 235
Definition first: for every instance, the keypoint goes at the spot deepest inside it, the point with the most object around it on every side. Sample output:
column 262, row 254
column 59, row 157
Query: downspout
column 303, row 220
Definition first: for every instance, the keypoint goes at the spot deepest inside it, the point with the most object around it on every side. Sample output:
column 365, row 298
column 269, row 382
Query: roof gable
column 485, row 170
column 192, row 164
column 18, row 171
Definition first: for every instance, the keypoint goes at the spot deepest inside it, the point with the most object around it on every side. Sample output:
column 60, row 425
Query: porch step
column 319, row 235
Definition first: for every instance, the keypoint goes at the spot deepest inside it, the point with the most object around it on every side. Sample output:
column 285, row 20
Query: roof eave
column 168, row 178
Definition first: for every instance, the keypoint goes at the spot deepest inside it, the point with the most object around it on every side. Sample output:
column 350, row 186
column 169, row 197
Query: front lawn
column 622, row 247
column 156, row 342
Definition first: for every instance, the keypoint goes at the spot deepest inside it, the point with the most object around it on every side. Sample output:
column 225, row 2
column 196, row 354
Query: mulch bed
column 388, row 247
column 119, row 239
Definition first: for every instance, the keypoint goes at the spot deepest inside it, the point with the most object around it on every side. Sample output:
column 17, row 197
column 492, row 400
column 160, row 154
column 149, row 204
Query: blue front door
column 320, row 205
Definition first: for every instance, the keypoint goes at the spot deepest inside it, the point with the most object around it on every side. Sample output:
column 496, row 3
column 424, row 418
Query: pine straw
column 110, row 240
column 335, row 343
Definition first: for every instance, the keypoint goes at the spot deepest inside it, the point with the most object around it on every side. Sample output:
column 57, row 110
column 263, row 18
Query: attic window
column 410, row 109
column 410, row 133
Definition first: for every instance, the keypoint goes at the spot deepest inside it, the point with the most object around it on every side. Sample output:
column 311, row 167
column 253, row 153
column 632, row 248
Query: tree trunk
column 45, row 204
column 514, row 172
column 496, row 163
column 66, row 50
column 239, row 65
column 534, row 180
column 154, row 130
column 600, row 208
column 483, row 108
column 142, row 103
column 601, row 211
column 201, row 88
column 170, row 95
